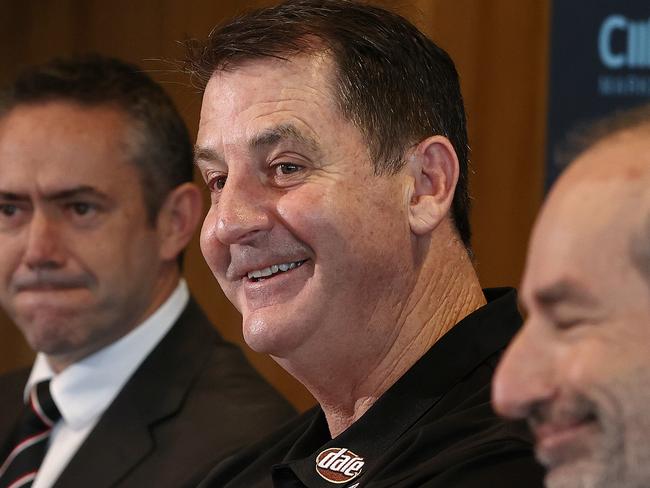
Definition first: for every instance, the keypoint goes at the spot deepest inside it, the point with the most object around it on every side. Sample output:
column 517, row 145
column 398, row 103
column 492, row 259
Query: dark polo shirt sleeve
column 434, row 427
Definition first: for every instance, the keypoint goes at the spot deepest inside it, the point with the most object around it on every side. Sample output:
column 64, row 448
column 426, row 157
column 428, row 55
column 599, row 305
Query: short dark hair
column 164, row 151
column 395, row 84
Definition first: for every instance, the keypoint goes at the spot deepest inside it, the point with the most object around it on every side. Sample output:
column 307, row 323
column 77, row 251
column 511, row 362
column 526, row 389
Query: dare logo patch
column 338, row 465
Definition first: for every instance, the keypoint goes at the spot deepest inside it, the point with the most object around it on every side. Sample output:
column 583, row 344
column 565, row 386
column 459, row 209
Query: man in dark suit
column 131, row 386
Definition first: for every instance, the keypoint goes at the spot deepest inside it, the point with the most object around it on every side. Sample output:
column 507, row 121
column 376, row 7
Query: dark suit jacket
column 194, row 400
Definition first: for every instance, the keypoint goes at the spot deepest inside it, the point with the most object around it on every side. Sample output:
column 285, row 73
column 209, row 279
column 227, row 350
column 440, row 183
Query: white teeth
column 271, row 270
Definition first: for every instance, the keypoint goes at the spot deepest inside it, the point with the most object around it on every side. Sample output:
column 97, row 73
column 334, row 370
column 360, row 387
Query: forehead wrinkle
column 282, row 132
column 57, row 194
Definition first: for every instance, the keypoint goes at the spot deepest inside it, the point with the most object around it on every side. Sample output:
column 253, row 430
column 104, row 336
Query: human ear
column 178, row 219
column 434, row 166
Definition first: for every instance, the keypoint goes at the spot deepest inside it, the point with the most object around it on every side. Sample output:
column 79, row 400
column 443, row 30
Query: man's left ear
column 434, row 166
column 178, row 219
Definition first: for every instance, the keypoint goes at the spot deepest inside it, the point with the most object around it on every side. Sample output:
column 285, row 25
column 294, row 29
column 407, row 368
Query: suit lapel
column 11, row 388
column 122, row 439
column 110, row 451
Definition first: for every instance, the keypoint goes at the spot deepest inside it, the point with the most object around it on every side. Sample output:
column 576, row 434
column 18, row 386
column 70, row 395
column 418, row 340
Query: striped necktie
column 30, row 439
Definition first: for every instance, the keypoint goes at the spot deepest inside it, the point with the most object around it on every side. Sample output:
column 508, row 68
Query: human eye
column 82, row 211
column 216, row 182
column 286, row 173
column 572, row 320
column 567, row 323
column 12, row 214
column 82, row 208
column 286, row 168
column 8, row 210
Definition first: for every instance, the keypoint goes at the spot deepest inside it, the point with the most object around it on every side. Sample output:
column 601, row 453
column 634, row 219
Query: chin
column 49, row 342
column 584, row 474
column 259, row 334
column 51, row 331
column 268, row 335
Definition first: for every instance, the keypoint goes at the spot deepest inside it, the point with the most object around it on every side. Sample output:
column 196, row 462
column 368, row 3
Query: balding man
column 579, row 370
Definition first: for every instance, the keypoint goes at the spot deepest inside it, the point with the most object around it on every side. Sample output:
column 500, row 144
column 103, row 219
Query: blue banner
column 600, row 62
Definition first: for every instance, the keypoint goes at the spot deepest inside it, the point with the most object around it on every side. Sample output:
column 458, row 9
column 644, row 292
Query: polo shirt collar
column 454, row 356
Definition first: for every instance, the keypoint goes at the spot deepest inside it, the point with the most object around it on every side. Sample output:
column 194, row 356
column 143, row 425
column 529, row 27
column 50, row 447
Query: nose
column 524, row 376
column 242, row 211
column 44, row 248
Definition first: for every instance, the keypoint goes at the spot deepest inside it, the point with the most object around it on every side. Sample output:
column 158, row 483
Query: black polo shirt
column 433, row 428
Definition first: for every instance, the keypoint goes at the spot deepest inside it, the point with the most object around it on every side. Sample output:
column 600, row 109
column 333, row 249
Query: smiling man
column 579, row 370
column 333, row 142
column 131, row 386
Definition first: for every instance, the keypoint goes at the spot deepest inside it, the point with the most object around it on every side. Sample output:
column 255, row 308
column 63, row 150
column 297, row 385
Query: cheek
column 596, row 361
column 10, row 259
column 119, row 244
column 336, row 212
column 307, row 214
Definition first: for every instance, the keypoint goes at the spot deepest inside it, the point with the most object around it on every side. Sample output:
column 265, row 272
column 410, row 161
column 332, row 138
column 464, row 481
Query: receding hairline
column 588, row 134
column 618, row 135
column 629, row 169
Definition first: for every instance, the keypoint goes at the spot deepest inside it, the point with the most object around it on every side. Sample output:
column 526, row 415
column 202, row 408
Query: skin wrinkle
column 359, row 399
column 455, row 303
column 365, row 401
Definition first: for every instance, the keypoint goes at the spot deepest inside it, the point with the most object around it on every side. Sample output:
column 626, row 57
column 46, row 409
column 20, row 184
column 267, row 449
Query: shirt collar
column 455, row 355
column 85, row 389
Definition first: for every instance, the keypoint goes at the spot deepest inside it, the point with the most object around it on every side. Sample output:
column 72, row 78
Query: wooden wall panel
column 500, row 48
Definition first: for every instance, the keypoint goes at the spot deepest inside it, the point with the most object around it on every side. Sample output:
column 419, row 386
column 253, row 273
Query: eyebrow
column 266, row 138
column 564, row 290
column 284, row 132
column 205, row 154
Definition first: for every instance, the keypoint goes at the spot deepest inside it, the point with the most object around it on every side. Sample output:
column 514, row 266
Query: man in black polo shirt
column 333, row 142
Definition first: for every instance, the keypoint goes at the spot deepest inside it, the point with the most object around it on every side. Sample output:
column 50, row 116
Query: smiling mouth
column 270, row 271
column 550, row 429
column 559, row 444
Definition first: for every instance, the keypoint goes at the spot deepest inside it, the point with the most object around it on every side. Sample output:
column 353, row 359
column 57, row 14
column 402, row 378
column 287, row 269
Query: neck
column 347, row 382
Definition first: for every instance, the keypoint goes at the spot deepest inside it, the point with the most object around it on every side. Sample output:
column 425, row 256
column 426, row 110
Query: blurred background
column 501, row 49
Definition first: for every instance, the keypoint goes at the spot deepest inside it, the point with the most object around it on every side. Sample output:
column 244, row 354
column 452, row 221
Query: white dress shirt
column 85, row 389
